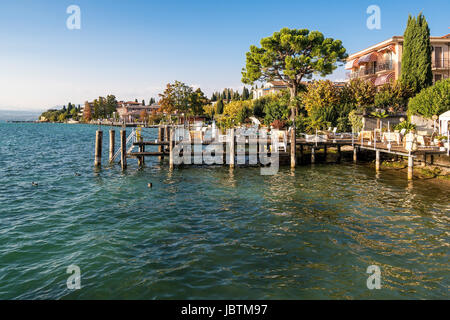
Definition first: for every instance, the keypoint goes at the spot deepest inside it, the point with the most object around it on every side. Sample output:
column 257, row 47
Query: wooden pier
column 239, row 147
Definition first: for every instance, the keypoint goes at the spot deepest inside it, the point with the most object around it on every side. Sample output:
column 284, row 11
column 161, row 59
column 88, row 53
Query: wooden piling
column 171, row 141
column 355, row 154
column 410, row 167
column 325, row 153
column 293, row 148
column 231, row 144
column 98, row 148
column 123, row 149
column 160, row 139
column 112, row 141
column 377, row 160
column 313, row 155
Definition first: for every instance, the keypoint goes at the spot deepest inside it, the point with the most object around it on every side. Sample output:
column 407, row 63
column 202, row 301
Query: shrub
column 393, row 97
column 431, row 101
column 238, row 111
column 355, row 119
column 277, row 109
column 405, row 125
column 278, row 124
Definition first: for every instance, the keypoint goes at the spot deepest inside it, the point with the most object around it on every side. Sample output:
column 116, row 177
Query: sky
column 132, row 49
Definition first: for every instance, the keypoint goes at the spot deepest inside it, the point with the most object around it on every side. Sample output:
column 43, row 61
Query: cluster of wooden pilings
column 166, row 144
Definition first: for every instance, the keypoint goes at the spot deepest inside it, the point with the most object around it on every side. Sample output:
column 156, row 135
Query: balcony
column 440, row 64
column 361, row 73
column 385, row 66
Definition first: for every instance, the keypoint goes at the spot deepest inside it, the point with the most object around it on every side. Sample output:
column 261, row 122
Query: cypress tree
column 219, row 108
column 416, row 70
column 245, row 94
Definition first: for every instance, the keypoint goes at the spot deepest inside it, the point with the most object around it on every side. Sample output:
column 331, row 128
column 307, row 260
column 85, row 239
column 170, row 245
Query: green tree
column 197, row 100
column 431, row 101
column 321, row 100
column 176, row 97
column 416, row 70
column 393, row 97
column 290, row 55
column 359, row 92
column 245, row 94
column 110, row 105
column 276, row 108
column 238, row 111
column 220, row 106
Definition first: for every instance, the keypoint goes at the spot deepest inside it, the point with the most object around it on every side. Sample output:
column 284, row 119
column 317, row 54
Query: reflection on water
column 210, row 232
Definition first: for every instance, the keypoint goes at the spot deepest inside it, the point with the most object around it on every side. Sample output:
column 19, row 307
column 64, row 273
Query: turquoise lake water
column 208, row 232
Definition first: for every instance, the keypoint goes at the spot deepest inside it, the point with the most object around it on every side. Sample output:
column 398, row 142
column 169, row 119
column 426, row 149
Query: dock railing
column 130, row 140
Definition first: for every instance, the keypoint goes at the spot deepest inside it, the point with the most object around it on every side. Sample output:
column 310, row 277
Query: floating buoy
column 150, row 185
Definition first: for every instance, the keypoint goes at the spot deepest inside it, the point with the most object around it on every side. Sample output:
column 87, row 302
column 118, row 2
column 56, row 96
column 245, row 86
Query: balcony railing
column 440, row 64
column 361, row 73
column 385, row 66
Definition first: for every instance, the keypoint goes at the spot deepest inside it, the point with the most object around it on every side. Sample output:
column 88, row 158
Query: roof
column 278, row 83
column 445, row 116
column 394, row 39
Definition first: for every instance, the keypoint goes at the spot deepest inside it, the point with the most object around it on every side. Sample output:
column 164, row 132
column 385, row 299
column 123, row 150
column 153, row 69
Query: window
column 437, row 77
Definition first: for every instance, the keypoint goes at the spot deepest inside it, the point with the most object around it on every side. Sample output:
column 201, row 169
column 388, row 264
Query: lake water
column 209, row 233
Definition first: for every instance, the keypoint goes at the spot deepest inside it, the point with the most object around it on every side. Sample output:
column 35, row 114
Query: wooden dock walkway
column 248, row 148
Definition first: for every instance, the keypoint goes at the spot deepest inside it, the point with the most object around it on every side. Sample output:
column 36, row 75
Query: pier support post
column 410, row 167
column 171, row 141
column 112, row 141
column 355, row 154
column 123, row 149
column 293, row 148
column 160, row 139
column 231, row 144
column 313, row 155
column 166, row 136
column 325, row 149
column 98, row 148
column 377, row 160
column 339, row 153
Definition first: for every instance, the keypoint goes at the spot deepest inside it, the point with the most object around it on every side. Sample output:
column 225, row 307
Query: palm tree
column 379, row 114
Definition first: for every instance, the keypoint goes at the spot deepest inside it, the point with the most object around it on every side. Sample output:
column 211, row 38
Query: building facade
column 382, row 62
column 131, row 111
column 269, row 88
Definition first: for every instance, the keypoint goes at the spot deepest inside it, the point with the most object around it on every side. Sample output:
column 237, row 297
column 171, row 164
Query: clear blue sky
column 133, row 48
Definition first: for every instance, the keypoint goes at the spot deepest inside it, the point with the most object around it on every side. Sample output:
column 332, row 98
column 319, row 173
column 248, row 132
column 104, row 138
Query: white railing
column 131, row 138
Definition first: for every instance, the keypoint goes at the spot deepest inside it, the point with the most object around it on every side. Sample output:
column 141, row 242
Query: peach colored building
column 269, row 88
column 381, row 63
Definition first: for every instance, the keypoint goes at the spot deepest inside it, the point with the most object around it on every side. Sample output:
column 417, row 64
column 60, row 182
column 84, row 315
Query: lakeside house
column 131, row 111
column 381, row 63
column 273, row 87
column 269, row 88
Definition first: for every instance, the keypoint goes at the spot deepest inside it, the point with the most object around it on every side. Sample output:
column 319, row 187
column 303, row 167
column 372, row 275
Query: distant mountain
column 14, row 115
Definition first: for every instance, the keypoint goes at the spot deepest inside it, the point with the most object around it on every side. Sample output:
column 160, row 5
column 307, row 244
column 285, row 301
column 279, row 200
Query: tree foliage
column 431, row 101
column 393, row 97
column 176, row 97
column 416, row 70
column 290, row 55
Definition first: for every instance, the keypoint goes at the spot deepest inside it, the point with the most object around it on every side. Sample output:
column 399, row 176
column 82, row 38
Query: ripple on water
column 209, row 232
